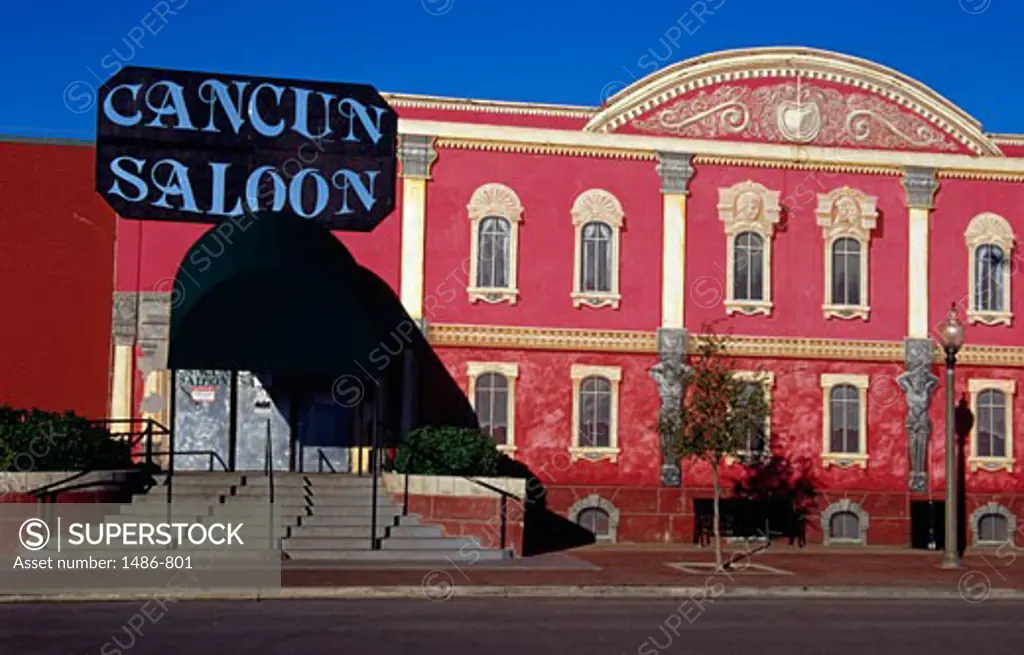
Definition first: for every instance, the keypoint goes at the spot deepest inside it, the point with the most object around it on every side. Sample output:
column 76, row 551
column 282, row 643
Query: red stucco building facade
column 820, row 212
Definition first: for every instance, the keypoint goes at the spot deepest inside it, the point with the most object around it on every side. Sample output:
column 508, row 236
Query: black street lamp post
column 951, row 336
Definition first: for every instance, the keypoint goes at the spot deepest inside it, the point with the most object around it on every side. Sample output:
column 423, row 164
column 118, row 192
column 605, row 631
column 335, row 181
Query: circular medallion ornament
column 799, row 122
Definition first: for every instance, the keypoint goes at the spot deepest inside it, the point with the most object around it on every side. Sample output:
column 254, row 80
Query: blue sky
column 563, row 51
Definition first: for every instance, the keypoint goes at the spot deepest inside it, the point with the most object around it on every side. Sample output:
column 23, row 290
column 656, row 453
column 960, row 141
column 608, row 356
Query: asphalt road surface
column 519, row 626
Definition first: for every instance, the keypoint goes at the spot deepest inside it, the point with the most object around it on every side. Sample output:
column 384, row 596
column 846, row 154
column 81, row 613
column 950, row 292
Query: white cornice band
column 764, row 151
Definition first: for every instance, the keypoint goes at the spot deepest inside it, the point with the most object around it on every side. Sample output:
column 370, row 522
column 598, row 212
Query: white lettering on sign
column 165, row 104
column 167, row 183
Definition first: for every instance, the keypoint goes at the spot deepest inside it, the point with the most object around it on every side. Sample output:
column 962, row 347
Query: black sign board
column 186, row 146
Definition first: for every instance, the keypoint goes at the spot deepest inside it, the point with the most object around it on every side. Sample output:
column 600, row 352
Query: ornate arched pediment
column 495, row 200
column 793, row 95
column 989, row 228
column 847, row 212
column 748, row 206
column 597, row 205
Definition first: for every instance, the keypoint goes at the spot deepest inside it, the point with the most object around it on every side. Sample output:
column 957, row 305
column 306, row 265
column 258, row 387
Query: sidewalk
column 606, row 566
column 636, row 572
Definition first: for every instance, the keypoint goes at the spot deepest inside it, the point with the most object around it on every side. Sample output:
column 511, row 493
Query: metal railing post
column 149, row 445
column 374, row 543
column 504, row 519
column 269, row 473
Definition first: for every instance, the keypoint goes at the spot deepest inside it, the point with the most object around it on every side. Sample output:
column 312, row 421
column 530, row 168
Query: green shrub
column 447, row 451
column 34, row 440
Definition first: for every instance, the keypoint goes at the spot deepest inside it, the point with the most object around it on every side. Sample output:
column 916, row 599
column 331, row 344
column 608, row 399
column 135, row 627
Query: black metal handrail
column 134, row 437
column 503, row 505
column 212, row 454
column 150, row 428
column 323, row 459
column 269, row 473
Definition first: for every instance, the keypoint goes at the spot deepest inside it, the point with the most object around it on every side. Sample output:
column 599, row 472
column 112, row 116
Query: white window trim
column 856, row 227
column 844, row 460
column 989, row 229
column 613, row 374
column 600, row 206
column 494, row 200
column 760, row 218
column 768, row 380
column 974, row 387
column 511, row 372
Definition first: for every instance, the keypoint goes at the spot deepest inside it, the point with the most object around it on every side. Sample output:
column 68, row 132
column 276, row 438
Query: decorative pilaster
column 124, row 326
column 668, row 374
column 417, row 155
column 676, row 171
column 918, row 384
column 153, row 341
column 920, row 185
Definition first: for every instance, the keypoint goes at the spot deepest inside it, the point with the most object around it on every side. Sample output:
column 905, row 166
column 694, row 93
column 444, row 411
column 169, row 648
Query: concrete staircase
column 322, row 516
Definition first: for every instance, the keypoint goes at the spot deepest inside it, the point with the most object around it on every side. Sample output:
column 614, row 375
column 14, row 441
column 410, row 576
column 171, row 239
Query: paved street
column 534, row 627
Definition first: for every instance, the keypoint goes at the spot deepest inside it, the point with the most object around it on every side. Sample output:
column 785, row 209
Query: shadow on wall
column 285, row 296
column 544, row 531
column 963, row 422
column 775, row 499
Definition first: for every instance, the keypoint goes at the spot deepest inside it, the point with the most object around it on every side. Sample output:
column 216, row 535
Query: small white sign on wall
column 204, row 394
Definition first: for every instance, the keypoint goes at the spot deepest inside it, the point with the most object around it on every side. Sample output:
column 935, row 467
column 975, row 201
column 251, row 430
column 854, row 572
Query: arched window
column 844, row 401
column 598, row 258
column 492, row 406
column 492, row 268
column 595, row 399
column 846, row 280
column 595, row 520
column 990, row 243
column 758, row 442
column 492, row 392
column 597, row 217
column 993, row 528
column 844, row 428
column 748, row 267
column 595, row 413
column 596, row 514
column 991, row 418
column 494, row 214
column 749, row 212
column 844, row 526
column 989, row 278
column 992, row 428
column 847, row 217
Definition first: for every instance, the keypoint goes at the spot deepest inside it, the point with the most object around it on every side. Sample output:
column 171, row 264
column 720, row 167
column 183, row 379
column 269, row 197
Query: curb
column 442, row 593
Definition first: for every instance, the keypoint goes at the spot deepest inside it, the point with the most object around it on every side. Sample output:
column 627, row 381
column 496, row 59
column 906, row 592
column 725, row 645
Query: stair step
column 325, row 543
column 178, row 495
column 439, row 556
column 348, row 521
column 310, row 492
column 406, row 531
column 459, row 544
column 333, row 532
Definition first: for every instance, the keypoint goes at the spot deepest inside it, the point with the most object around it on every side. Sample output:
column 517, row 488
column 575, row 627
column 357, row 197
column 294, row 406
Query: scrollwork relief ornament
column 918, row 384
column 796, row 112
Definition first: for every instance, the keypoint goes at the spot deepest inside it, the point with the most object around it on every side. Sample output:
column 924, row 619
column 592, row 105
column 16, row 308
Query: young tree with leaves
column 718, row 418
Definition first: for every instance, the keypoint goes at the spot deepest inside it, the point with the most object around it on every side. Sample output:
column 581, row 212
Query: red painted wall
column 547, row 186
column 798, row 252
column 149, row 252
column 544, row 414
column 956, row 203
column 56, row 279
